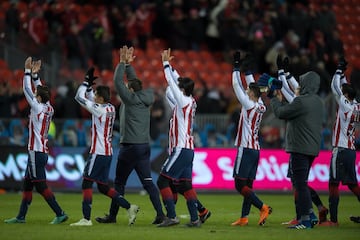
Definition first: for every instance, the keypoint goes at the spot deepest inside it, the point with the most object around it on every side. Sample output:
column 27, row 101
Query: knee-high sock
column 86, row 203
column 114, row 207
column 355, row 189
column 315, row 198
column 248, row 193
column 118, row 199
column 25, row 203
column 333, row 201
column 50, row 199
column 168, row 200
column 191, row 202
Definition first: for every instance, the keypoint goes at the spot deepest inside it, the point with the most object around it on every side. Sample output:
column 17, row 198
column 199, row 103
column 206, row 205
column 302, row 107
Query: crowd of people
column 84, row 34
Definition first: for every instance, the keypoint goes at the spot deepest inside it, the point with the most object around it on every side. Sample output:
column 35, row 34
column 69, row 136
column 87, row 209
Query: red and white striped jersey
column 250, row 115
column 344, row 127
column 103, row 117
column 39, row 119
column 183, row 112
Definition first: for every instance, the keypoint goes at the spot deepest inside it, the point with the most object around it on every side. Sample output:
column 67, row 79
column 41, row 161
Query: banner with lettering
column 212, row 169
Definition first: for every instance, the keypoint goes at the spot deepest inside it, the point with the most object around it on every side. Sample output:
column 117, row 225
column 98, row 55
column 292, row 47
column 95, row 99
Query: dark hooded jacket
column 135, row 108
column 304, row 117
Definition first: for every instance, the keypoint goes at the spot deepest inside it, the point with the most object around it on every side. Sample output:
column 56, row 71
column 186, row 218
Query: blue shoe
column 302, row 225
column 14, row 220
column 59, row 219
column 195, row 224
column 313, row 219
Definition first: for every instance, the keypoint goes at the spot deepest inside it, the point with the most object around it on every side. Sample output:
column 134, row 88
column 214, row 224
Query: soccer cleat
column 204, row 215
column 132, row 211
column 82, row 222
column 169, row 222
column 158, row 219
column 241, row 222
column 322, row 214
column 197, row 223
column 59, row 219
column 329, row 224
column 265, row 211
column 355, row 219
column 14, row 220
column 106, row 219
column 302, row 225
column 291, row 222
column 313, row 219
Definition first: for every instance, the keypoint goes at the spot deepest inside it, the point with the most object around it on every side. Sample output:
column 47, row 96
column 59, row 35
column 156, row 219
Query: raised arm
column 336, row 80
column 177, row 93
column 28, row 92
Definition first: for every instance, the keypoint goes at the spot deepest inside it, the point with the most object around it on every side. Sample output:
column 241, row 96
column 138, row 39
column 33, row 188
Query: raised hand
column 166, row 55
column 130, row 55
column 342, row 65
column 89, row 76
column 123, row 53
column 28, row 63
column 35, row 66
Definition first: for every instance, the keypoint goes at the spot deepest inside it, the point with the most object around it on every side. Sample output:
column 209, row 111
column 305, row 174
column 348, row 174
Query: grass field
column 225, row 209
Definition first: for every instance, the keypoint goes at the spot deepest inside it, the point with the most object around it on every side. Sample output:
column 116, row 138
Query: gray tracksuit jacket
column 304, row 117
column 135, row 108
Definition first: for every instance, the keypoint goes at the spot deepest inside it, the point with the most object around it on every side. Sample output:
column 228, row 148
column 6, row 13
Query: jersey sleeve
column 170, row 98
column 173, row 84
column 336, row 85
column 89, row 105
column 240, row 91
column 285, row 90
column 29, row 94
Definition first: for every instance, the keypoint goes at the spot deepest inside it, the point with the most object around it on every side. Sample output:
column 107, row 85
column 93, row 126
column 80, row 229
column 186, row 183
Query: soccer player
column 304, row 116
column 179, row 164
column 134, row 153
column 342, row 164
column 290, row 89
column 98, row 164
column 178, row 186
column 41, row 114
column 247, row 143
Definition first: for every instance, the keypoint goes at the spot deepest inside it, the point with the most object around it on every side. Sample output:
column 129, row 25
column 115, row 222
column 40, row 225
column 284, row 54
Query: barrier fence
column 212, row 170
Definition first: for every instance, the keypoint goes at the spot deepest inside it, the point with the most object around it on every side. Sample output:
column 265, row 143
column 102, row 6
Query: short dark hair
column 349, row 90
column 254, row 87
column 43, row 92
column 135, row 84
column 104, row 92
column 187, row 84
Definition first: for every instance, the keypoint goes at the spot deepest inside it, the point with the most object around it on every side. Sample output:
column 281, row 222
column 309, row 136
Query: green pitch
column 225, row 209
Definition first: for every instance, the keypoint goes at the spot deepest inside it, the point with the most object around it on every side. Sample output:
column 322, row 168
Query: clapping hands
column 127, row 55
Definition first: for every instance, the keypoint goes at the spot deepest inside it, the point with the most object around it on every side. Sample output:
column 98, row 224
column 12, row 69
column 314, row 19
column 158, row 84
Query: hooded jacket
column 135, row 108
column 304, row 117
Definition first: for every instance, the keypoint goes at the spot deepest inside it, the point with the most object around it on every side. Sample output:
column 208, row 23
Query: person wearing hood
column 134, row 153
column 304, row 116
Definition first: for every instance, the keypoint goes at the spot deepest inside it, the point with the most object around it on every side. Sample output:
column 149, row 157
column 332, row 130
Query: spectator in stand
column 38, row 27
column 12, row 21
column 74, row 48
column 144, row 21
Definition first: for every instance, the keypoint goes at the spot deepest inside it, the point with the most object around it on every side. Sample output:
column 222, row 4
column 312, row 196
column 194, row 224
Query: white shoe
column 132, row 211
column 82, row 222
